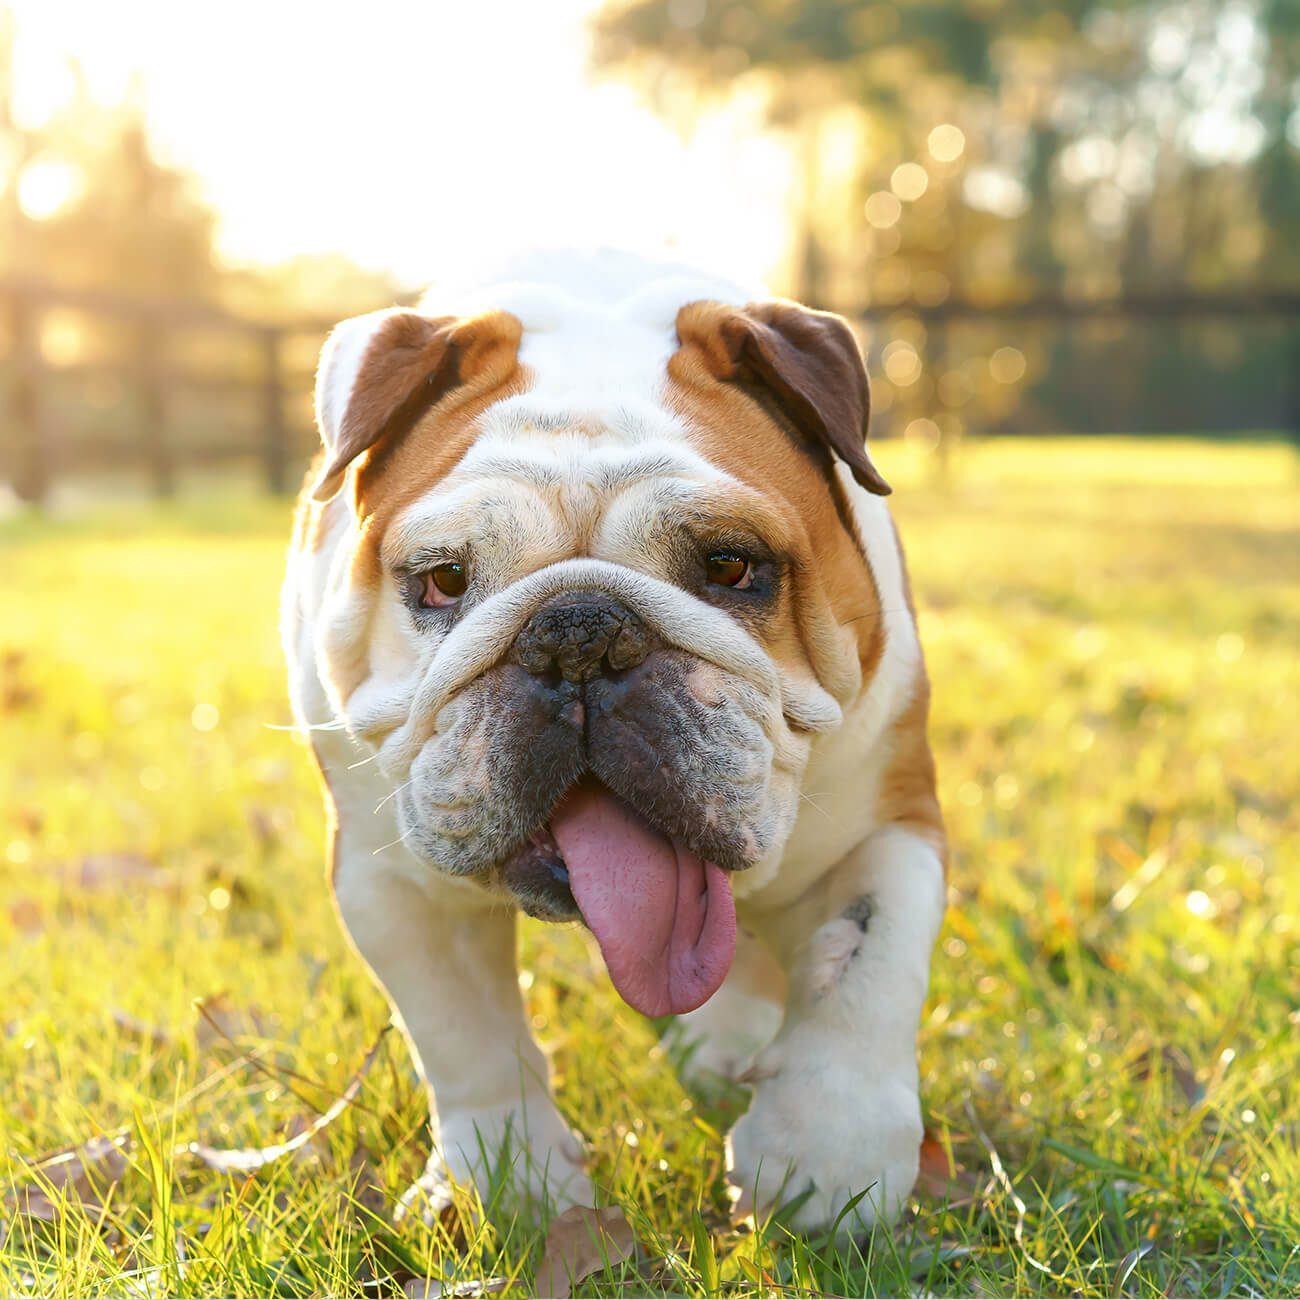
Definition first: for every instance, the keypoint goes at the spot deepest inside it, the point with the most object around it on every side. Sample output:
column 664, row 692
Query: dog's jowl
column 596, row 568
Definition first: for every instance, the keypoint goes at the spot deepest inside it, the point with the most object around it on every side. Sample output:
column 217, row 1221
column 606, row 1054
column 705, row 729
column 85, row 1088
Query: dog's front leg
column 836, row 1104
column 446, row 958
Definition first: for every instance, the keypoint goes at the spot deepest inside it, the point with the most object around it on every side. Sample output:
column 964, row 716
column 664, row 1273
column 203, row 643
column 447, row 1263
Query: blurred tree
column 995, row 148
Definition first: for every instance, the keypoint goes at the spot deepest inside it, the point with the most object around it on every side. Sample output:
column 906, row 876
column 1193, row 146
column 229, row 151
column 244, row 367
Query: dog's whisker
column 392, row 794
column 808, row 799
column 392, row 844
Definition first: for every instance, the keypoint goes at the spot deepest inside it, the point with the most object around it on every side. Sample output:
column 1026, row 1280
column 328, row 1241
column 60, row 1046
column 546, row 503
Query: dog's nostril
column 580, row 636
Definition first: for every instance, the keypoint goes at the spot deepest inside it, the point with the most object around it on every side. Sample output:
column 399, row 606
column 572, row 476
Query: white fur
column 836, row 1098
column 837, row 1091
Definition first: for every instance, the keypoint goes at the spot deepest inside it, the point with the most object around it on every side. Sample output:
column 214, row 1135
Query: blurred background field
column 1111, row 628
column 1079, row 219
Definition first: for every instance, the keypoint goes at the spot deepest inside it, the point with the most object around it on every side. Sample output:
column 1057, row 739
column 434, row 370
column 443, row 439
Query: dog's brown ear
column 807, row 361
column 380, row 372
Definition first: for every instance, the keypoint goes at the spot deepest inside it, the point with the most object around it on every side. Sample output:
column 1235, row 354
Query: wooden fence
column 149, row 380
column 273, row 370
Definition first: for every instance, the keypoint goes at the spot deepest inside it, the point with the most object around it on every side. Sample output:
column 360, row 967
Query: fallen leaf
column 109, row 870
column 1180, row 1068
column 221, row 1023
column 940, row 1179
column 71, row 1177
column 368, row 1192
column 93, row 1166
column 580, row 1242
column 27, row 915
column 150, row 1035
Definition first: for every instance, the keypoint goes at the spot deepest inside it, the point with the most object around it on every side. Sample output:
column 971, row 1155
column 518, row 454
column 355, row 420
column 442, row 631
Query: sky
column 410, row 136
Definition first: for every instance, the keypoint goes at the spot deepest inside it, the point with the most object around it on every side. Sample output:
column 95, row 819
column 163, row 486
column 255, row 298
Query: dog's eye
column 729, row 569
column 444, row 585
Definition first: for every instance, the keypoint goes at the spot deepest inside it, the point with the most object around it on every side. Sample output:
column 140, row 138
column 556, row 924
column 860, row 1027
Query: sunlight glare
column 425, row 135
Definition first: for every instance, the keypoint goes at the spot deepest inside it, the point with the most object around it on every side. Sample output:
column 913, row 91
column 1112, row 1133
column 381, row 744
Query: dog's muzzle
column 570, row 641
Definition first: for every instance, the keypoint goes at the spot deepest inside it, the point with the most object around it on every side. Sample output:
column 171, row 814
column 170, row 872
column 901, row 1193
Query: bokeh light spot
column 46, row 187
column 947, row 142
column 205, row 717
column 909, row 181
column 922, row 433
column 882, row 209
column 1229, row 648
column 1007, row 365
column 902, row 364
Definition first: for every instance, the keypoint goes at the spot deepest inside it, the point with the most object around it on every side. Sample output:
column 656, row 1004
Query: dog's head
column 601, row 587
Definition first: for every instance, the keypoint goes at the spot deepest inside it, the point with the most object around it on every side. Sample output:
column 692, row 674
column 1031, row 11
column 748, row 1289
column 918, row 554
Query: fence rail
column 152, row 381
column 147, row 381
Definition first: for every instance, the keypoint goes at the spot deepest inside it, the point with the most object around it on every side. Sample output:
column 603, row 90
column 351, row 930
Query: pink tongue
column 664, row 919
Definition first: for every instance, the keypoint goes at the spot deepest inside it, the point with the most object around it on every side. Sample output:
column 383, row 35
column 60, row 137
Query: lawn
column 1112, row 1044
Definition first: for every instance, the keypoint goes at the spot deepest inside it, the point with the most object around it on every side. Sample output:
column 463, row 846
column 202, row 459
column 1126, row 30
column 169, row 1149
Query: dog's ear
column 807, row 362
column 380, row 373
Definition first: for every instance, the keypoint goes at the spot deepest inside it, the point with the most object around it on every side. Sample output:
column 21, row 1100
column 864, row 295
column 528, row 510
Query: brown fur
column 412, row 365
column 807, row 362
column 451, row 372
column 907, row 788
column 735, row 432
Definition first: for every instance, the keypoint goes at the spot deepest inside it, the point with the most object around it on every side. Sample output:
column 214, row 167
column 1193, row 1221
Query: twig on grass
column 1004, row 1181
column 248, row 1159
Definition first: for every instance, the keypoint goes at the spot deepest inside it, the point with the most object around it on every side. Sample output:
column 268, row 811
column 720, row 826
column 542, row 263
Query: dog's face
column 592, row 627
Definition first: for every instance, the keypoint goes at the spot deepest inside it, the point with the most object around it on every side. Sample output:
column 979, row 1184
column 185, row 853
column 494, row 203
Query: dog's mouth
column 665, row 919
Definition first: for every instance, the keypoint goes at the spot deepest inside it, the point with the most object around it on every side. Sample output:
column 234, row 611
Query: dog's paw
column 518, row 1158
column 428, row 1198
column 829, row 1127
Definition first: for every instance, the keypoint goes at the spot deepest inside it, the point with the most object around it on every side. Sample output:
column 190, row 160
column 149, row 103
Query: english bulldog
column 595, row 610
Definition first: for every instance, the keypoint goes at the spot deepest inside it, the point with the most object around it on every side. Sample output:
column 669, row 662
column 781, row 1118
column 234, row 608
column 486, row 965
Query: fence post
column 149, row 397
column 30, row 469
column 275, row 445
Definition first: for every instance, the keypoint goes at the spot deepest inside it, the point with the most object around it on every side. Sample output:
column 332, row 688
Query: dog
column 595, row 610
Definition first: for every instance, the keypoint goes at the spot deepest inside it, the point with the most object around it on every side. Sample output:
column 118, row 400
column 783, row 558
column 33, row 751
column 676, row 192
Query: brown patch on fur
column 907, row 789
column 401, row 470
column 807, row 362
column 735, row 431
column 419, row 421
column 410, row 365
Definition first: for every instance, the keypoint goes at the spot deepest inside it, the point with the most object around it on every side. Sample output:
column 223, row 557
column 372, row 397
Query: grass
column 1113, row 1024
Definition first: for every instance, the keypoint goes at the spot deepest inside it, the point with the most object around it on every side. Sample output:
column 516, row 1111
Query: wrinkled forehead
column 574, row 475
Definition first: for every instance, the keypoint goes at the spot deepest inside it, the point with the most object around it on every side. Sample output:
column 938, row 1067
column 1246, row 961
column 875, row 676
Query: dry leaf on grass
column 109, row 870
column 27, row 916
column 938, row 1178
column 142, row 1032
column 580, row 1242
column 83, row 1172
column 221, row 1023
column 246, row 1160
column 367, row 1192
column 1180, row 1067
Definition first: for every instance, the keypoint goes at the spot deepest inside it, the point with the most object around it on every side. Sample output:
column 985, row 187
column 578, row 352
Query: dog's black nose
column 581, row 635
